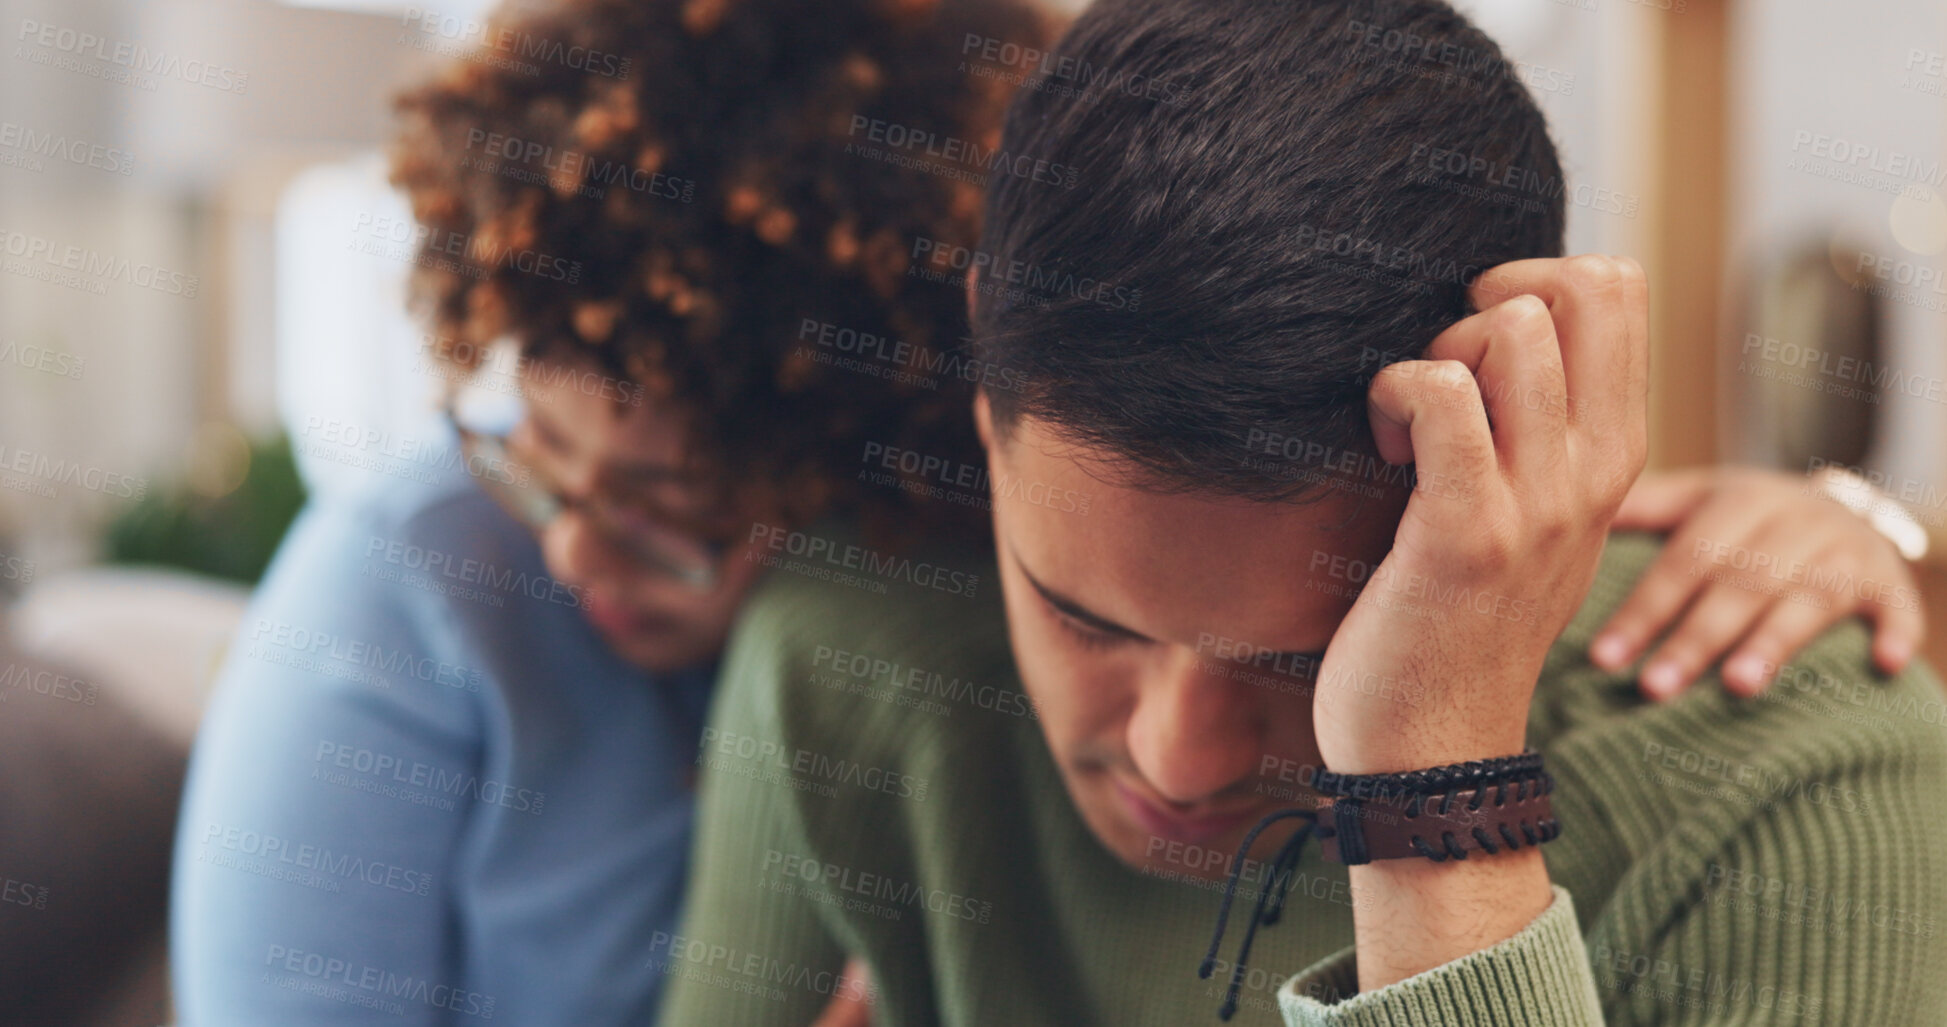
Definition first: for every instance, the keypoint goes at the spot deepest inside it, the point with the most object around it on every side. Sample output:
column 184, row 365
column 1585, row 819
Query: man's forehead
column 1176, row 566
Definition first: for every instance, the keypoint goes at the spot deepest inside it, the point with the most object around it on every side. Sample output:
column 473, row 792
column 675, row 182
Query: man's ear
column 973, row 289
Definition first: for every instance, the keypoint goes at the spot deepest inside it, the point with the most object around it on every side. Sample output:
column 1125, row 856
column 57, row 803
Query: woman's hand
column 1757, row 564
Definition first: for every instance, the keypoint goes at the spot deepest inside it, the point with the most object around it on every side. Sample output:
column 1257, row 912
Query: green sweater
column 874, row 783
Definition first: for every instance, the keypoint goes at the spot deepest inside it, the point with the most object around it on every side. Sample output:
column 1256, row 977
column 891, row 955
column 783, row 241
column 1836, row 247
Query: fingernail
column 1746, row 671
column 1663, row 679
column 1898, row 652
column 1610, row 652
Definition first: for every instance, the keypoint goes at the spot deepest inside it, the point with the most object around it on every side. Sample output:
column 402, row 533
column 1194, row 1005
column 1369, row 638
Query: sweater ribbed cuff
column 1538, row 978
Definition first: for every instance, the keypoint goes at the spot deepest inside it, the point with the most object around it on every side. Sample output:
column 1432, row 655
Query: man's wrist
column 1411, row 916
column 1407, row 749
column 1463, row 715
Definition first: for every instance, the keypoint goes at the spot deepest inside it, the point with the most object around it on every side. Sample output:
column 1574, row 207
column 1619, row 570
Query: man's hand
column 1527, row 424
column 1759, row 563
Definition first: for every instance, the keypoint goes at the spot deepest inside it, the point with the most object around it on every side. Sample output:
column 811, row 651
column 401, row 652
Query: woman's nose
column 575, row 549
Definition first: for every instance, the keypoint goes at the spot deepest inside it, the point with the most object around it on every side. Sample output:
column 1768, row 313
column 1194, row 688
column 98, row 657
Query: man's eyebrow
column 1076, row 610
column 1100, row 623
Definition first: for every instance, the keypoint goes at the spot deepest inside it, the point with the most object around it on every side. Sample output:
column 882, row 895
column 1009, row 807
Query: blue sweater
column 425, row 791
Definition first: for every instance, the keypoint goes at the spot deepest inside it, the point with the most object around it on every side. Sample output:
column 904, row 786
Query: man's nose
column 1196, row 731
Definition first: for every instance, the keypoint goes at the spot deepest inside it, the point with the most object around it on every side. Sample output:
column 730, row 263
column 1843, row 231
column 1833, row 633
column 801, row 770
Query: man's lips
column 1195, row 826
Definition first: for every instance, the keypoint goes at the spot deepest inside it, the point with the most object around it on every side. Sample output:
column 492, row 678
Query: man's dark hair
column 1312, row 207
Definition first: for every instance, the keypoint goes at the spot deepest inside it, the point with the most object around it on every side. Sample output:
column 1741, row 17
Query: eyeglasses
column 644, row 523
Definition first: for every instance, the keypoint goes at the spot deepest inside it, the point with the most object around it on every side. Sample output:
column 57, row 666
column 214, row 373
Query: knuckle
column 1437, row 376
column 1491, row 283
column 1553, row 531
column 1395, row 381
column 1575, row 410
column 1495, row 549
column 1632, row 470
column 1635, row 454
column 1400, row 371
column 1592, row 271
column 1633, row 275
column 1453, row 374
column 1612, row 487
column 1518, row 314
column 1474, row 462
column 1842, row 564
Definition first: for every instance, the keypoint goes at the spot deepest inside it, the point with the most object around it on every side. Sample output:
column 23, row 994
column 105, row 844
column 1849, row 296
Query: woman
column 446, row 771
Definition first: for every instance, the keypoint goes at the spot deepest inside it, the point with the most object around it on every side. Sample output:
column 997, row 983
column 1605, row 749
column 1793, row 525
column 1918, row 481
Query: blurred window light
column 353, row 372
column 454, row 8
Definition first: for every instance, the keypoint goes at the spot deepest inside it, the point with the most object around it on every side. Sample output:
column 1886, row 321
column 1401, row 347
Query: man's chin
column 1157, row 855
column 1172, row 859
column 1146, row 850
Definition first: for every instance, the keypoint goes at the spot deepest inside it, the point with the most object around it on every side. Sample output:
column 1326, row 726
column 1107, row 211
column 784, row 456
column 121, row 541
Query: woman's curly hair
column 696, row 164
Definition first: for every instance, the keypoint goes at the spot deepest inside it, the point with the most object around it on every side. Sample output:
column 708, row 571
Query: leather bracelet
column 1375, row 822
column 1440, row 813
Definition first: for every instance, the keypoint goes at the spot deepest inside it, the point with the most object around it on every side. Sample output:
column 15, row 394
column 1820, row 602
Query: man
column 1203, row 619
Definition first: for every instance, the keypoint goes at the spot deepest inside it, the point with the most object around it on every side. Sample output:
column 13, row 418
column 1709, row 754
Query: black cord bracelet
column 1437, row 814
column 1474, row 774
